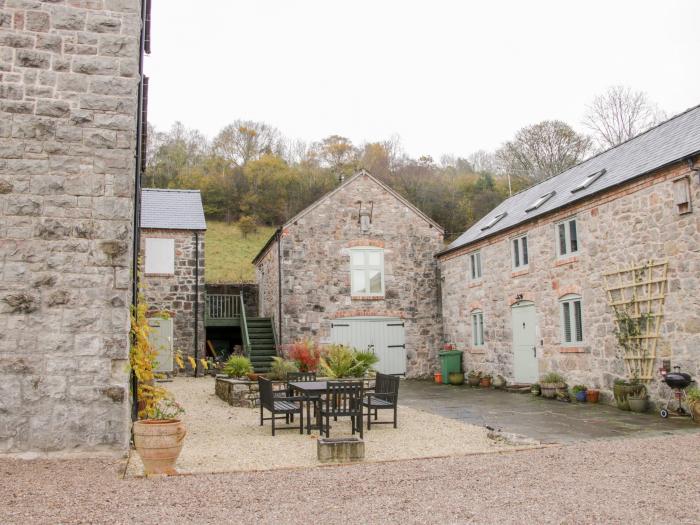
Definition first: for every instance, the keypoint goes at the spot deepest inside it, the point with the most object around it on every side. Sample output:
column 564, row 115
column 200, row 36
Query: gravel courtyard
column 628, row 480
column 222, row 438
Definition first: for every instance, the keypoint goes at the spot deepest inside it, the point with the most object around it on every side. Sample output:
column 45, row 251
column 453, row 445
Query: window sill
column 521, row 271
column 477, row 350
column 367, row 298
column 475, row 284
column 572, row 350
column 568, row 260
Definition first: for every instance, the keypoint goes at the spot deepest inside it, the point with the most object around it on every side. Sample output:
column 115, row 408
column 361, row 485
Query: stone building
column 172, row 270
column 525, row 290
column 357, row 267
column 69, row 85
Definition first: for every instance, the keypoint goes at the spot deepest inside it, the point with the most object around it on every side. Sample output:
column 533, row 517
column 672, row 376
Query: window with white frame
column 477, row 328
column 571, row 320
column 475, row 266
column 367, row 271
column 519, row 252
column 160, row 256
column 567, row 238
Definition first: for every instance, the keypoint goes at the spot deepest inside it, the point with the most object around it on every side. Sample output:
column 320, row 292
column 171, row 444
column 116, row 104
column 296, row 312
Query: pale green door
column 161, row 338
column 382, row 335
column 524, row 321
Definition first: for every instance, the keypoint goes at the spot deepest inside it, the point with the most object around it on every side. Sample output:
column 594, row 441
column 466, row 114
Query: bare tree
column 245, row 140
column 543, row 150
column 483, row 161
column 620, row 114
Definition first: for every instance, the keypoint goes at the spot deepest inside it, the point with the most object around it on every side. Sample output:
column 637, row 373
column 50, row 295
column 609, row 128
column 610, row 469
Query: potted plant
column 485, row 381
column 238, row 367
column 158, row 439
column 693, row 400
column 499, row 381
column 592, row 395
column 535, row 389
column 552, row 384
column 579, row 392
column 638, row 400
column 474, row 378
column 456, row 378
column 622, row 390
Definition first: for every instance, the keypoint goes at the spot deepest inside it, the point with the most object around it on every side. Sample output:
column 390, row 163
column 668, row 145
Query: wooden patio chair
column 287, row 406
column 299, row 377
column 385, row 396
column 343, row 399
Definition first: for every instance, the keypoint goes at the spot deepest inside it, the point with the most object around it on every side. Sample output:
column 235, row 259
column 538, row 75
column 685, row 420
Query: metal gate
column 383, row 335
column 161, row 338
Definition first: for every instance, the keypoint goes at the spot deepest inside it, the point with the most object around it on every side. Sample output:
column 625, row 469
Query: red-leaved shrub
column 306, row 353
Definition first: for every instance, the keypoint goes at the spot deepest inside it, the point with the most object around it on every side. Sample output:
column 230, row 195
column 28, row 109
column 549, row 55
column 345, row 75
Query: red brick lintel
column 368, row 313
column 572, row 350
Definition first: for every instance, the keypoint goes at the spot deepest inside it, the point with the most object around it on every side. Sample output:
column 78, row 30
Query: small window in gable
column 494, row 220
column 519, row 252
column 589, row 180
column 160, row 256
column 681, row 195
column 539, row 202
column 571, row 320
column 475, row 266
column 367, row 271
column 477, row 328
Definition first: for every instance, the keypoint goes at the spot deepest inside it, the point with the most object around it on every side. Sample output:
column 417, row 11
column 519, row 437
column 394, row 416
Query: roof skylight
column 539, row 202
column 589, row 180
column 494, row 220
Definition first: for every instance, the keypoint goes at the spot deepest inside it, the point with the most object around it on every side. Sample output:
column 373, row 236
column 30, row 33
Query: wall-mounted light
column 365, row 216
column 518, row 298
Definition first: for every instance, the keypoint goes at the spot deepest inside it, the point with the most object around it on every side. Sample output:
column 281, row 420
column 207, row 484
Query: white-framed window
column 477, row 328
column 571, row 319
column 160, row 256
column 518, row 248
column 475, row 266
column 367, row 271
column 567, row 238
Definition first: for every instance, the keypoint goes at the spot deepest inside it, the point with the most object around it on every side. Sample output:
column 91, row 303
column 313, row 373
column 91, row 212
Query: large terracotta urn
column 158, row 442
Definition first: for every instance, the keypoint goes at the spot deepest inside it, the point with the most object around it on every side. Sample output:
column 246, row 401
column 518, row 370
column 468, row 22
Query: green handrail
column 244, row 327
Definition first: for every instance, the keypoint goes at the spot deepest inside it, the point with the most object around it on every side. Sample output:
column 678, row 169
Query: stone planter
column 158, row 443
column 621, row 391
column 340, row 450
column 550, row 390
column 638, row 404
column 473, row 380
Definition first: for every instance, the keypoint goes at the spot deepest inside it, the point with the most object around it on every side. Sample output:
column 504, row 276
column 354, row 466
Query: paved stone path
column 545, row 420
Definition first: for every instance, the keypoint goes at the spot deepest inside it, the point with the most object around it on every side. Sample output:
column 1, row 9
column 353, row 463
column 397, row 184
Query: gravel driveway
column 649, row 480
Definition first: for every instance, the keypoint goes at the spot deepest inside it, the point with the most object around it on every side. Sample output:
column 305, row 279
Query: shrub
column 341, row 361
column 281, row 367
column 305, row 354
column 578, row 388
column 247, row 225
column 238, row 366
column 693, row 396
column 552, row 377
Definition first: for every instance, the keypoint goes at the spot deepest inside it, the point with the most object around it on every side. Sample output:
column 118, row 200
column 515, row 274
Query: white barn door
column 385, row 336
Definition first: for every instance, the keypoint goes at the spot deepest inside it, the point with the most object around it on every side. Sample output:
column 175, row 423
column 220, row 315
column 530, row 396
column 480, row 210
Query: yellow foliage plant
column 142, row 357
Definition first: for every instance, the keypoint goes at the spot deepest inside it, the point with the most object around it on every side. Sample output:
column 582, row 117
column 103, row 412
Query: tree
column 543, row 150
column 620, row 114
column 337, row 153
column 245, row 140
column 247, row 225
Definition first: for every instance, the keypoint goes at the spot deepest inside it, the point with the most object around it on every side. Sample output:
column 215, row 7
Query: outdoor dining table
column 311, row 391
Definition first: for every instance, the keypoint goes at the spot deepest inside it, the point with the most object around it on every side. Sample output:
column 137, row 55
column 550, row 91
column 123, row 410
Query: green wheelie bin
column 450, row 361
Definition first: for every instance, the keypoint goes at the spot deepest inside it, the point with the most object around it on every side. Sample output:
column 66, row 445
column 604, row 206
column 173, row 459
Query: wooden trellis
column 637, row 293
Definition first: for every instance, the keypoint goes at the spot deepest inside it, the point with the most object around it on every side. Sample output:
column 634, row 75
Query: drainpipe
column 136, row 245
column 196, row 303
column 279, row 283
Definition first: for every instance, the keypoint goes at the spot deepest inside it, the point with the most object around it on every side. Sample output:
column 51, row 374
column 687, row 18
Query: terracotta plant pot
column 438, row 378
column 456, row 378
column 252, row 376
column 485, row 382
column 158, row 442
column 592, row 395
column 550, row 390
column 473, row 380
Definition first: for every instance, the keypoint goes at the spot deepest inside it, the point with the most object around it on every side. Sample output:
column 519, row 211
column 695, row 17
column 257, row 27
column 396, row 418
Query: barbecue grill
column 678, row 381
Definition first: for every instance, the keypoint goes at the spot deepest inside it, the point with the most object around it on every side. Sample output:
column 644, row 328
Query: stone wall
column 267, row 277
column 68, row 104
column 316, row 270
column 627, row 226
column 175, row 293
column 249, row 290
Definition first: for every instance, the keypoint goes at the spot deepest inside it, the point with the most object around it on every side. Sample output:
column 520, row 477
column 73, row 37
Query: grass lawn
column 229, row 255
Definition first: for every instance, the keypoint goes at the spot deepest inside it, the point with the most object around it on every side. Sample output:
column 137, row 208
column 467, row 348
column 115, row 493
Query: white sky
column 447, row 76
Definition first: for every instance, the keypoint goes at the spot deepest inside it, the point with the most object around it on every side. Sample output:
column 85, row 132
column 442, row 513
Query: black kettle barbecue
column 678, row 381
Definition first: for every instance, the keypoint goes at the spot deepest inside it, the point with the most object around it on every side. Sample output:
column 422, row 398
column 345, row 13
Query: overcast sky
column 448, row 77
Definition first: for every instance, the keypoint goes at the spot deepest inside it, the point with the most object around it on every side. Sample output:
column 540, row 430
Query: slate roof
column 664, row 144
column 172, row 209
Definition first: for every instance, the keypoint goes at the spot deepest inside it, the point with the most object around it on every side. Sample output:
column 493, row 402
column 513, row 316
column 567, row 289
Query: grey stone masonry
column 68, row 101
column 626, row 226
column 176, row 293
column 315, row 263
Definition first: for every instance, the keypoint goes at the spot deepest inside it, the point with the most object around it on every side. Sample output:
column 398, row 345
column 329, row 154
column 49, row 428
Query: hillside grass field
column 228, row 255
